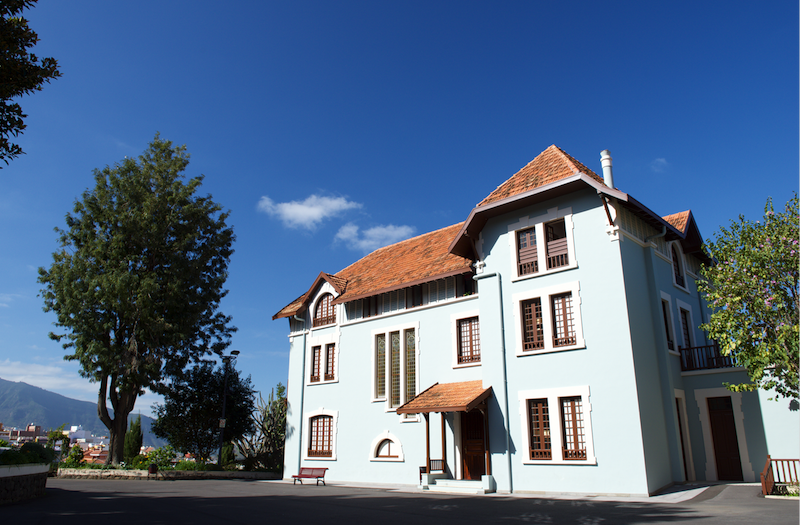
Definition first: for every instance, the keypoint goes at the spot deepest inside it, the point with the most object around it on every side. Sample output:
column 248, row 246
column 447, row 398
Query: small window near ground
column 385, row 449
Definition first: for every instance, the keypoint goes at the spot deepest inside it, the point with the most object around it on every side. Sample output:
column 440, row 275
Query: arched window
column 325, row 313
column 320, row 442
column 676, row 268
column 385, row 449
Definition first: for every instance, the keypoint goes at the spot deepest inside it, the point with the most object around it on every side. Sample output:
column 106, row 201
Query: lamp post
column 226, row 360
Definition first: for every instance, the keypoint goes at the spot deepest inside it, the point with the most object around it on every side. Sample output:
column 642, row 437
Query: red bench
column 317, row 473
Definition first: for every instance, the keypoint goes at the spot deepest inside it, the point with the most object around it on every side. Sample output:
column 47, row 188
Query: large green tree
column 21, row 72
column 190, row 415
column 138, row 280
column 752, row 289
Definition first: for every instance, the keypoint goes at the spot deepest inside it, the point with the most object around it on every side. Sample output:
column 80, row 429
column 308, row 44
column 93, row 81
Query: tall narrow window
column 321, row 437
column 315, row 363
column 574, row 444
column 325, row 313
column 685, row 326
column 665, row 312
column 395, row 369
column 563, row 323
column 330, row 351
column 527, row 254
column 676, row 268
column 533, row 329
column 469, row 343
column 380, row 366
column 539, row 423
column 557, row 253
column 411, row 364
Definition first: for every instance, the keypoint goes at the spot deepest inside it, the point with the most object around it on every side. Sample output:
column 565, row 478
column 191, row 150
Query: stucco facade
column 596, row 377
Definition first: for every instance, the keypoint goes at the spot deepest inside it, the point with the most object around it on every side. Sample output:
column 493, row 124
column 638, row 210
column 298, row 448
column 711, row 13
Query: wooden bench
column 317, row 473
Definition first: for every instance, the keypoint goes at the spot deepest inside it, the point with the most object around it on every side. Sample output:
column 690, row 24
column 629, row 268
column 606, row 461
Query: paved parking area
column 118, row 502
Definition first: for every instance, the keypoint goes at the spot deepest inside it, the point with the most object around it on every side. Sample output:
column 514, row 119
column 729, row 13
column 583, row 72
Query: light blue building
column 549, row 343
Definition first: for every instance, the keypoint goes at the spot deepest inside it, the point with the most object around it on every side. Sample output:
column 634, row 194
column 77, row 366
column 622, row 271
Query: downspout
column 657, row 235
column 302, row 395
column 505, row 374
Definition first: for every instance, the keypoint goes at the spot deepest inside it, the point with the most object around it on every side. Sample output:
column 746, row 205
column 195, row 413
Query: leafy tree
column 263, row 448
column 162, row 457
column 189, row 417
column 58, row 436
column 752, row 289
column 21, row 72
column 133, row 440
column 138, row 280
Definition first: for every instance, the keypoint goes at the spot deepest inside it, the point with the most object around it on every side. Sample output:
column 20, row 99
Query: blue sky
column 330, row 128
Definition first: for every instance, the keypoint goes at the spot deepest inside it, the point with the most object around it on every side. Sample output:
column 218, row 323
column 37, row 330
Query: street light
column 226, row 360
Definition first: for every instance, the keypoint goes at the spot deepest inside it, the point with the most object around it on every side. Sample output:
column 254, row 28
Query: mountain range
column 22, row 404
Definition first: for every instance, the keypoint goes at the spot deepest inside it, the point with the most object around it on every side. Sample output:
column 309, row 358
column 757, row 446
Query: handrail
column 706, row 357
column 786, row 472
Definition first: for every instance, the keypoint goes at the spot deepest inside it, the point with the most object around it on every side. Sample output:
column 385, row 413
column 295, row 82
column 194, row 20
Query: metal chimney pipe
column 605, row 161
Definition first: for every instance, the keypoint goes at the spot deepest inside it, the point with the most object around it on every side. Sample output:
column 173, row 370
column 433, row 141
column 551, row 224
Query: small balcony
column 704, row 358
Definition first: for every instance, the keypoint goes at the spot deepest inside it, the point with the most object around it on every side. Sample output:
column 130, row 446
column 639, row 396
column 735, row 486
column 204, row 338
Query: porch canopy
column 449, row 397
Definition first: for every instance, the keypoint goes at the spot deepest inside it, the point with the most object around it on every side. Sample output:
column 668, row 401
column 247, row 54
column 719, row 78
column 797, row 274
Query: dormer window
column 677, row 268
column 325, row 313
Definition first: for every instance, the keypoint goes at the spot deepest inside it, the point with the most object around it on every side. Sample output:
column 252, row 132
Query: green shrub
column 140, row 462
column 190, row 465
column 27, row 453
column 75, row 458
column 162, row 457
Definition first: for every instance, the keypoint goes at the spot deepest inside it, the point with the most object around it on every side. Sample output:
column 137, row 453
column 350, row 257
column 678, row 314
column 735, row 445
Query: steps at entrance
column 457, row 486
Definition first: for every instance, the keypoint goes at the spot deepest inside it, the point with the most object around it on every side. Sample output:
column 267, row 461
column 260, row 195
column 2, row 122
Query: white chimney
column 608, row 175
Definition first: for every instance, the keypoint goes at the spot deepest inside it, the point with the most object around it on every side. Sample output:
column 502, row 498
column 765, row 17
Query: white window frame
column 307, row 434
column 553, row 396
column 388, row 369
column 538, row 222
column 683, row 422
column 376, row 443
column 454, row 319
column 665, row 297
column 322, row 341
column 325, row 288
column 545, row 294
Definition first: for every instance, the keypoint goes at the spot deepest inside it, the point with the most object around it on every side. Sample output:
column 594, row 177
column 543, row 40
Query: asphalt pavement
column 122, row 502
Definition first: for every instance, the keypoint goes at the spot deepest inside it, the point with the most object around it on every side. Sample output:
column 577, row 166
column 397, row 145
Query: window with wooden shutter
column 667, row 329
column 676, row 268
column 563, row 321
column 533, row 329
column 686, row 328
column 557, row 251
column 315, row 363
column 330, row 351
column 380, row 366
column 321, row 437
column 539, row 427
column 574, row 439
column 325, row 312
column 527, row 255
column 469, row 342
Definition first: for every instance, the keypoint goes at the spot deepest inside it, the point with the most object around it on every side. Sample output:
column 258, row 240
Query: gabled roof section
column 549, row 166
column 448, row 397
column 679, row 221
column 413, row 261
column 301, row 303
column 692, row 241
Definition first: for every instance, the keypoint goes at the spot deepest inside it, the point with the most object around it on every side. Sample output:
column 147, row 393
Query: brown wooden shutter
column 527, row 254
column 557, row 253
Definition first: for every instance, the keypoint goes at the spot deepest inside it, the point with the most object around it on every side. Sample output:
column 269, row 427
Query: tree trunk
column 122, row 403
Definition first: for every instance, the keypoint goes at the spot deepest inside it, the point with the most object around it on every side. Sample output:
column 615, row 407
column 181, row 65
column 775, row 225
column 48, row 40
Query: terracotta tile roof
column 448, row 397
column 413, row 261
column 419, row 259
column 549, row 166
column 679, row 221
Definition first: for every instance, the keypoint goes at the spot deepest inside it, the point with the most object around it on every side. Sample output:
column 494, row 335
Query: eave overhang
column 447, row 397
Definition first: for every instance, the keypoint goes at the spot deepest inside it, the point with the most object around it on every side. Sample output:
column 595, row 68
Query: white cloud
column 659, row 165
column 372, row 238
column 308, row 213
column 6, row 298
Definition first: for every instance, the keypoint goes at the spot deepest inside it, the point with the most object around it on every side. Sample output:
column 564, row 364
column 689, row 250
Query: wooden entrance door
column 723, row 436
column 473, row 445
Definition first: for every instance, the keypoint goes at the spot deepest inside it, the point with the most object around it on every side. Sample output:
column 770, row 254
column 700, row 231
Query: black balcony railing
column 704, row 358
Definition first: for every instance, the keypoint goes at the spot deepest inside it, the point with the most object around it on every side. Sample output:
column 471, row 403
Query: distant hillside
column 22, row 404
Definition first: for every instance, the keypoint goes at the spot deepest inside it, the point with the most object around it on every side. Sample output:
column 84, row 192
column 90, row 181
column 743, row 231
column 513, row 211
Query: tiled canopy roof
column 549, row 166
column 679, row 221
column 419, row 259
column 448, row 397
